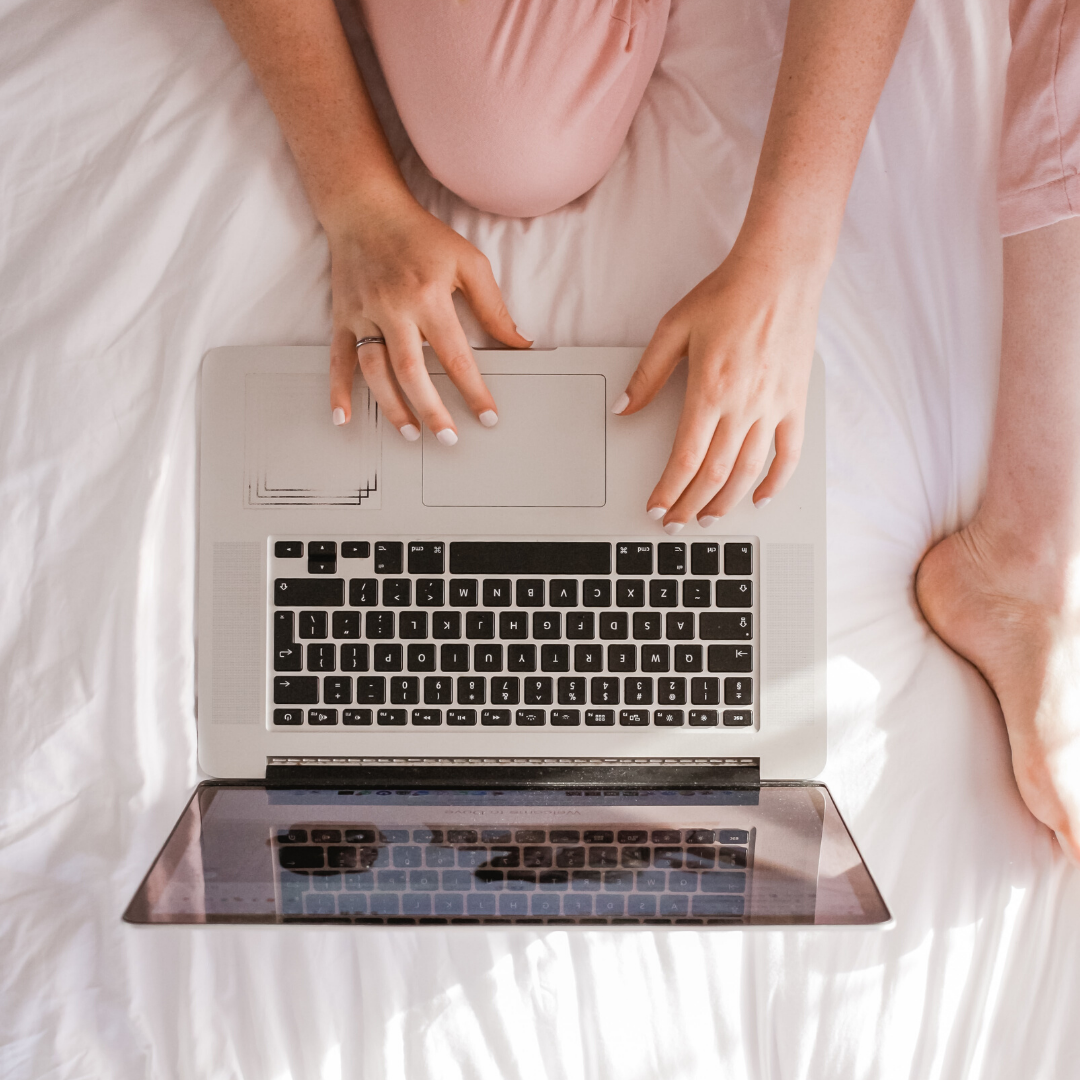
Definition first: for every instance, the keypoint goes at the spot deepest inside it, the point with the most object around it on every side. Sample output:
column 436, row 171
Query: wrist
column 361, row 202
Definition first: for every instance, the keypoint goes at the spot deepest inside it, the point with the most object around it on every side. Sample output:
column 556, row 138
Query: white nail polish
column 657, row 512
column 489, row 418
column 620, row 404
column 339, row 417
column 707, row 521
column 410, row 432
column 673, row 528
column 762, row 503
column 448, row 436
column 521, row 333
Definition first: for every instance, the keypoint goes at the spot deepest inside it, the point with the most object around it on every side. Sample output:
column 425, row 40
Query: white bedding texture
column 149, row 210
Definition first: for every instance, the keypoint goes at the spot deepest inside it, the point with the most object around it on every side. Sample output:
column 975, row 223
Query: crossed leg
column 1004, row 591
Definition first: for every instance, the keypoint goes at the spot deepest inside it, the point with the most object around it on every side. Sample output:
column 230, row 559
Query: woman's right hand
column 393, row 271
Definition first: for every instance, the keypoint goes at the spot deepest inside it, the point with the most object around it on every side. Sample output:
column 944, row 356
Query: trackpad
column 548, row 449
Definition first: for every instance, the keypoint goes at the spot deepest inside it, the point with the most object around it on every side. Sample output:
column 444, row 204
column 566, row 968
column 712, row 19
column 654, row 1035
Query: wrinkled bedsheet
column 150, row 211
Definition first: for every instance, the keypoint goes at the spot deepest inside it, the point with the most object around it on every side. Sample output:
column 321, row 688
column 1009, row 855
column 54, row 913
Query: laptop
column 477, row 685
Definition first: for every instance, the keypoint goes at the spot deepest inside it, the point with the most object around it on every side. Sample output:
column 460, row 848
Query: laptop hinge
column 513, row 773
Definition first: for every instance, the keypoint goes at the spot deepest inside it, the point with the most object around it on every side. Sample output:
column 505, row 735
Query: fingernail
column 410, row 432
column 706, row 521
column 657, row 512
column 489, row 418
column 448, row 436
column 339, row 417
column 521, row 333
column 762, row 503
column 673, row 528
column 620, row 405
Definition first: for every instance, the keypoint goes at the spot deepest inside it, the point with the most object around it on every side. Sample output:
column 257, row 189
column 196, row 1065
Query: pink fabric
column 518, row 106
column 1039, row 181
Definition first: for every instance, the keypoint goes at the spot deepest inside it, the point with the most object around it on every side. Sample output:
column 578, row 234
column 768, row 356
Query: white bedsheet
column 150, row 211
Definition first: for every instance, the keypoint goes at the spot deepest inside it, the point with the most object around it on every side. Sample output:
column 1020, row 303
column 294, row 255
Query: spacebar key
column 313, row 592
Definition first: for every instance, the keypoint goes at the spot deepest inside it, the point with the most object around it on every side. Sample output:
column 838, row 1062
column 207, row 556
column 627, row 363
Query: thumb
column 658, row 361
column 481, row 290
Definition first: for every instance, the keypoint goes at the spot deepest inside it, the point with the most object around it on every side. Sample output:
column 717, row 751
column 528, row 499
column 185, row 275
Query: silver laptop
column 475, row 684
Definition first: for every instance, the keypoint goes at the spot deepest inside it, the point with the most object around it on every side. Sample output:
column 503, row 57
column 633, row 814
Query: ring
column 371, row 341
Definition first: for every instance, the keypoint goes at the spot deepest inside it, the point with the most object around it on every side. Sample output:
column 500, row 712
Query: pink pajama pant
column 518, row 106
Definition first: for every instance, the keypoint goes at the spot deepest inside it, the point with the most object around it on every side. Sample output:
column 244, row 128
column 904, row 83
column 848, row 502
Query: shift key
column 309, row 592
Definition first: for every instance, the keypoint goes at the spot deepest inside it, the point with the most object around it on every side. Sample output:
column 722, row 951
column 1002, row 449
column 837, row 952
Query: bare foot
column 1010, row 617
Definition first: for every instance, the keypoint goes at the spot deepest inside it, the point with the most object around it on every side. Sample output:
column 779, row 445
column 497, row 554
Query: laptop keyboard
column 600, row 873
column 369, row 634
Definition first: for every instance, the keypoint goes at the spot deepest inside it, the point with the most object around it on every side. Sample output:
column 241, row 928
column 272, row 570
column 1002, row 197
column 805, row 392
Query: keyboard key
column 388, row 557
column 630, row 593
column 363, row 592
column 337, row 690
column 289, row 549
column 301, row 858
column 513, row 624
column 316, row 592
column 596, row 593
column 668, row 718
column 430, row 592
column 289, row 717
column 622, row 658
column 599, row 718
column 388, row 658
column 427, row 718
column 322, row 717
column 554, row 657
column 446, row 624
column 589, row 657
column 663, row 593
column 738, row 718
column 705, row 559
column 421, row 657
column 487, row 658
column 379, row 624
column 454, row 657
column 505, row 690
column 392, row 717
column 565, row 717
column 480, row 625
column 703, row 718
column 530, row 592
column 370, row 690
column 679, row 626
column 613, row 626
column 313, row 624
column 647, row 625
column 356, row 549
column 538, row 857
column 520, row 657
column 696, row 594
column 671, row 559
column 547, row 625
column 725, row 626
column 687, row 657
column 655, row 657
column 569, row 858
column 731, row 856
column 605, row 691
column 705, row 691
column 699, row 836
column 356, row 717
column 288, row 656
column 633, row 558
column 530, row 718
column 580, row 624
column 738, row 559
column 731, row 658
column 699, row 858
column 732, row 836
column 405, row 690
column 734, row 594
column 538, row 690
column 562, row 592
column 412, row 624
column 438, row 690
column 471, row 690
column 634, row 718
column 671, row 691
column 737, row 691
column 322, row 557
column 497, row 592
column 296, row 690
column 426, row 556
column 668, row 858
column 463, row 592
column 461, row 717
column 495, row 717
column 396, row 592
column 638, row 691
column 346, row 624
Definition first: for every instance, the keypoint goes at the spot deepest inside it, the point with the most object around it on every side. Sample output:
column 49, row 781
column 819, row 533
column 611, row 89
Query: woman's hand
column 394, row 269
column 748, row 332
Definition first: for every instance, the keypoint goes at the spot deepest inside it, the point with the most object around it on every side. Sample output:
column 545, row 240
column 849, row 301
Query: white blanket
column 150, row 210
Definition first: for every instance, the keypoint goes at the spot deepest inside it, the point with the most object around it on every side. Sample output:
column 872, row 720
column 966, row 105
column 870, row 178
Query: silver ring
column 371, row 341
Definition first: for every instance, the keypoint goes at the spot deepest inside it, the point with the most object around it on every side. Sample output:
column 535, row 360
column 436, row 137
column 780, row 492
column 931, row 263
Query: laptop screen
column 775, row 855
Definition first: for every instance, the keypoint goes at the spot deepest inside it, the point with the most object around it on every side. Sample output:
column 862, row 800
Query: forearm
column 301, row 58
column 837, row 55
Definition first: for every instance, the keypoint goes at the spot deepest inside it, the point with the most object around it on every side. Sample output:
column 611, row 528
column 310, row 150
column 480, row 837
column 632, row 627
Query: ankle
column 1023, row 559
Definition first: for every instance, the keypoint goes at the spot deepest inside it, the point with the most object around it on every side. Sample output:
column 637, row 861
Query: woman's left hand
column 748, row 333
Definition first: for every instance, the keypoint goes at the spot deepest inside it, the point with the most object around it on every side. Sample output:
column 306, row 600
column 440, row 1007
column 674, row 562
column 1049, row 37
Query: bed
column 150, row 211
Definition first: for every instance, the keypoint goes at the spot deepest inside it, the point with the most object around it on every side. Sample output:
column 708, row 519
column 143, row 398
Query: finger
column 479, row 287
column 789, row 440
column 664, row 351
column 748, row 466
column 375, row 367
column 405, row 346
column 342, row 367
column 446, row 337
column 715, row 470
